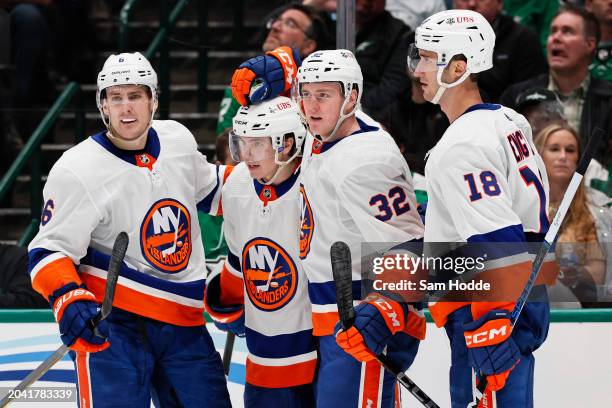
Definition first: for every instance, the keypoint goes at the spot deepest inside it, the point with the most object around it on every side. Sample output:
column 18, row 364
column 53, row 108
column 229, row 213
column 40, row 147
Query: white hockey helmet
column 332, row 66
column 455, row 32
column 276, row 119
column 125, row 69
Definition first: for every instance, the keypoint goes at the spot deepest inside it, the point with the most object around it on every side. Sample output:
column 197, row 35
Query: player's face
column 560, row 154
column 322, row 102
column 258, row 155
column 568, row 47
column 426, row 72
column 128, row 108
column 289, row 29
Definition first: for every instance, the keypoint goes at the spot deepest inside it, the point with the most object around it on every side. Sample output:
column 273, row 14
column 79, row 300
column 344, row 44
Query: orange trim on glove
column 67, row 298
column 352, row 342
column 284, row 55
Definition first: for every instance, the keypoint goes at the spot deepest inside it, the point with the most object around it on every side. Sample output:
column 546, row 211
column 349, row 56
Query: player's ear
column 105, row 107
column 351, row 102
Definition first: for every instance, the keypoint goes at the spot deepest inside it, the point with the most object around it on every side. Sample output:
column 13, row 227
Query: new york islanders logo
column 307, row 224
column 165, row 236
column 270, row 274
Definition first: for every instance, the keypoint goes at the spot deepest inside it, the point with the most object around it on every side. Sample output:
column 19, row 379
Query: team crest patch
column 307, row 224
column 270, row 274
column 165, row 236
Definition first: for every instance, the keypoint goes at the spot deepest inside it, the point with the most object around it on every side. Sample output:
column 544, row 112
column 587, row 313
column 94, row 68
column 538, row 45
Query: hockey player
column 486, row 184
column 356, row 187
column 261, row 207
column 144, row 177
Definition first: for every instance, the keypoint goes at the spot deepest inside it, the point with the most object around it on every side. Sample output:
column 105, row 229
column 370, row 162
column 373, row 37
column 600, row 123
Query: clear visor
column 421, row 63
column 250, row 149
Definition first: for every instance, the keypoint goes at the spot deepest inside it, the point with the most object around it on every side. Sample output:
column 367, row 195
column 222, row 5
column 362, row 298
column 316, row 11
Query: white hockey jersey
column 261, row 230
column 486, row 182
column 95, row 190
column 357, row 189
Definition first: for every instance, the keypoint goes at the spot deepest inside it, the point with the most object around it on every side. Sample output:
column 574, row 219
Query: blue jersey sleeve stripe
column 36, row 255
column 233, row 260
column 279, row 346
column 206, row 204
column 512, row 233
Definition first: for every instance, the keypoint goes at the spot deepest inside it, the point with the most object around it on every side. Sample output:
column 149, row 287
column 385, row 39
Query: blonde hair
column 579, row 225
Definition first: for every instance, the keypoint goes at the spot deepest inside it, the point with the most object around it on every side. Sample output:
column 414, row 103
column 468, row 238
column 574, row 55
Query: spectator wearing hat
column 541, row 107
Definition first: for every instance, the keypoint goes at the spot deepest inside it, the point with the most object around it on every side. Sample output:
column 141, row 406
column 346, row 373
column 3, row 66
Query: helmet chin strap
column 341, row 118
column 443, row 86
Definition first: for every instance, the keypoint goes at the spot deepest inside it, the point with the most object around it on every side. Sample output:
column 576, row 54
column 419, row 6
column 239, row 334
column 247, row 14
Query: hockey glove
column 266, row 76
column 74, row 309
column 491, row 349
column 377, row 319
column 225, row 317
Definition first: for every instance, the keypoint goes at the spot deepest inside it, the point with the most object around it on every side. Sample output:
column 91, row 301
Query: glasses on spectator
column 288, row 23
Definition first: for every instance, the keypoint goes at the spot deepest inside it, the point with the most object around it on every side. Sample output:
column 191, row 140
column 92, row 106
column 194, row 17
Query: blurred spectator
column 15, row 285
column 585, row 235
column 222, row 152
column 602, row 63
column 541, row 107
column 381, row 50
column 587, row 101
column 517, row 55
column 415, row 124
column 329, row 6
column 413, row 12
column 29, row 86
column 536, row 14
column 295, row 25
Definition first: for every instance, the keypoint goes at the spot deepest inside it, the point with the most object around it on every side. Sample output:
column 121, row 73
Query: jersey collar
column 318, row 146
column 482, row 106
column 141, row 158
column 268, row 192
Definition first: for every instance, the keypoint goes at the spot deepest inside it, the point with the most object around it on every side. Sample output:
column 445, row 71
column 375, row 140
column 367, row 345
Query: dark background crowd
column 551, row 63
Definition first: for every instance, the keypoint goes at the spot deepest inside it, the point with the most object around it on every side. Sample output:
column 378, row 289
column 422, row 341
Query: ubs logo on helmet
column 165, row 236
column 270, row 274
column 307, row 224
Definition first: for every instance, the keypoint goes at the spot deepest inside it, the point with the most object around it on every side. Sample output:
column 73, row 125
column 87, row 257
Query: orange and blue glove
column 377, row 319
column 226, row 317
column 74, row 309
column 491, row 349
column 266, row 76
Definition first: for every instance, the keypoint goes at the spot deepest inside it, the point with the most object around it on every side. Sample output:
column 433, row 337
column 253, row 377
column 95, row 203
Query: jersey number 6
column 394, row 203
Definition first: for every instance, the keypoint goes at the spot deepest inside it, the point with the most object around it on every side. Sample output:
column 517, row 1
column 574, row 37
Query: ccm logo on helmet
column 241, row 122
column 310, row 69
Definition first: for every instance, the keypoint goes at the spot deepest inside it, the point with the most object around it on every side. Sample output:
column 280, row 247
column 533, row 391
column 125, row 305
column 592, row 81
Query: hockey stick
column 340, row 255
column 227, row 351
column 548, row 242
column 119, row 250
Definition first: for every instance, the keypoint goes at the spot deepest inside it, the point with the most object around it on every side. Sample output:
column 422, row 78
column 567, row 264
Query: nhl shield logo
column 307, row 224
column 165, row 236
column 270, row 274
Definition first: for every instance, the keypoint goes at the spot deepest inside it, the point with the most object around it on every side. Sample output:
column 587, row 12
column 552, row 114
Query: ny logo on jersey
column 165, row 236
column 270, row 274
column 307, row 224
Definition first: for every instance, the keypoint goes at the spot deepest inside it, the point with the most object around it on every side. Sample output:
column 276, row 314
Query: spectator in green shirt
column 602, row 63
